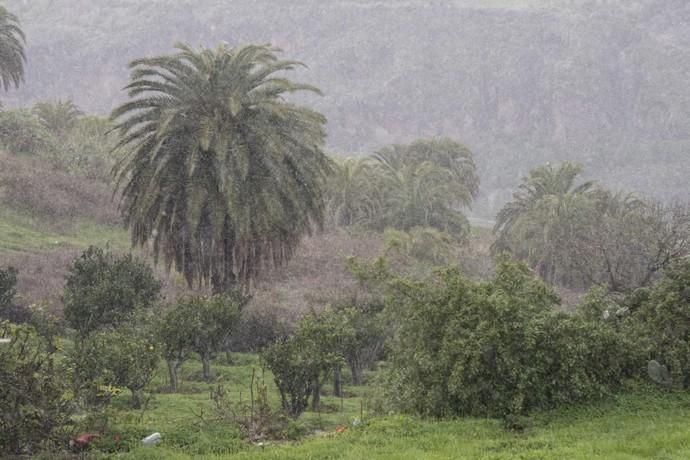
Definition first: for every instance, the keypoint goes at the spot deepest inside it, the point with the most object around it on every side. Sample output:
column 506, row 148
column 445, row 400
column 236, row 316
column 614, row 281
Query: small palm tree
column 542, row 182
column 12, row 56
column 353, row 198
column 57, row 117
column 224, row 176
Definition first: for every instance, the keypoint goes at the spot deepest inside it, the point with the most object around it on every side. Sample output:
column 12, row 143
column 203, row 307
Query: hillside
column 47, row 217
column 520, row 82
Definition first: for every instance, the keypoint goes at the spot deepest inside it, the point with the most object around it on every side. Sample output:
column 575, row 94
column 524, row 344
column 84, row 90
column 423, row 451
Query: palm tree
column 57, row 117
column 12, row 56
column 546, row 219
column 418, row 194
column 541, row 182
column 223, row 175
column 353, row 198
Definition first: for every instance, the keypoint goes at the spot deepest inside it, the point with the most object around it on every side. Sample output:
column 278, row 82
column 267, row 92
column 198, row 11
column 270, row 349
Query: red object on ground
column 340, row 429
column 85, row 439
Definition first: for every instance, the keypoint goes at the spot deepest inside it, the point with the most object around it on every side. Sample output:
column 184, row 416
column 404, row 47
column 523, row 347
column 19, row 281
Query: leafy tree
column 301, row 363
column 58, row 117
column 497, row 348
column 225, row 176
column 664, row 315
column 176, row 334
column 208, row 324
column 12, row 56
column 36, row 406
column 22, row 133
column 103, row 290
column 125, row 357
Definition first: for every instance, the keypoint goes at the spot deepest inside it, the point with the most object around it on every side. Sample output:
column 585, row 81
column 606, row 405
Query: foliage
column 422, row 184
column 419, row 248
column 577, row 235
column 201, row 324
column 228, row 188
column 22, row 133
column 58, row 117
column 8, row 282
column 664, row 316
column 497, row 348
column 256, row 330
column 12, row 56
column 102, row 290
column 301, row 363
column 35, row 402
column 364, row 332
column 126, row 357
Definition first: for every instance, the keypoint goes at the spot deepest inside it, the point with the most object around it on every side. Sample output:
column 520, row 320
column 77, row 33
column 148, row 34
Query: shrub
column 8, row 309
column 103, row 290
column 301, row 363
column 663, row 313
column 126, row 357
column 21, row 132
column 496, row 348
column 35, row 402
column 8, row 281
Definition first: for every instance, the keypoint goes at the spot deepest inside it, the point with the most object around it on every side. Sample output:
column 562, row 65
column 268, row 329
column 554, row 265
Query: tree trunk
column 337, row 382
column 315, row 395
column 136, row 398
column 206, row 362
column 172, row 372
column 356, row 371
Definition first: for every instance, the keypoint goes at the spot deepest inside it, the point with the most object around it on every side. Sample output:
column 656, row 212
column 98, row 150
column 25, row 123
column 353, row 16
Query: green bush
column 496, row 348
column 663, row 315
column 301, row 363
column 35, row 402
column 126, row 357
column 103, row 290
column 22, row 133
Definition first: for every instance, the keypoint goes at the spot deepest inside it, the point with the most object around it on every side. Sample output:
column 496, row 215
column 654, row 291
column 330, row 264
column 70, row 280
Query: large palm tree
column 223, row 175
column 12, row 56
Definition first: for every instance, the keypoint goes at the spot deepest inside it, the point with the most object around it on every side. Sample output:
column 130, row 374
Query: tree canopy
column 223, row 175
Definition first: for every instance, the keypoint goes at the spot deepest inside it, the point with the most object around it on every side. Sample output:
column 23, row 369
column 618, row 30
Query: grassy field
column 642, row 423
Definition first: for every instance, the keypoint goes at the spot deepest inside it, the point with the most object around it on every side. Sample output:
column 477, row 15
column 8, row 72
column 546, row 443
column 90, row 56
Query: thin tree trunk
column 316, row 395
column 356, row 371
column 206, row 362
column 136, row 399
column 337, row 382
column 172, row 372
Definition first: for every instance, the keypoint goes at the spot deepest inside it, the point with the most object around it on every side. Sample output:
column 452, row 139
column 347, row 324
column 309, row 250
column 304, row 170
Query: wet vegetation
column 198, row 265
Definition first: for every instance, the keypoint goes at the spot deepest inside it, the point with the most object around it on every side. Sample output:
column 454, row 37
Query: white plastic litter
column 152, row 439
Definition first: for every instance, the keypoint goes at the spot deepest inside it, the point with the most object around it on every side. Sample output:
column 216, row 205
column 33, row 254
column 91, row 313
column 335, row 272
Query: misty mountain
column 604, row 83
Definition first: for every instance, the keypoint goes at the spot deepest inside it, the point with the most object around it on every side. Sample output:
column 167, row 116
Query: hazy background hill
column 520, row 82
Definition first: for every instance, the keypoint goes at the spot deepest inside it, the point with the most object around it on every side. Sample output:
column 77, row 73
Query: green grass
column 20, row 233
column 642, row 423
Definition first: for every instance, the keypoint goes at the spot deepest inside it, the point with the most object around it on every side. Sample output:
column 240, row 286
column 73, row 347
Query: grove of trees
column 219, row 174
